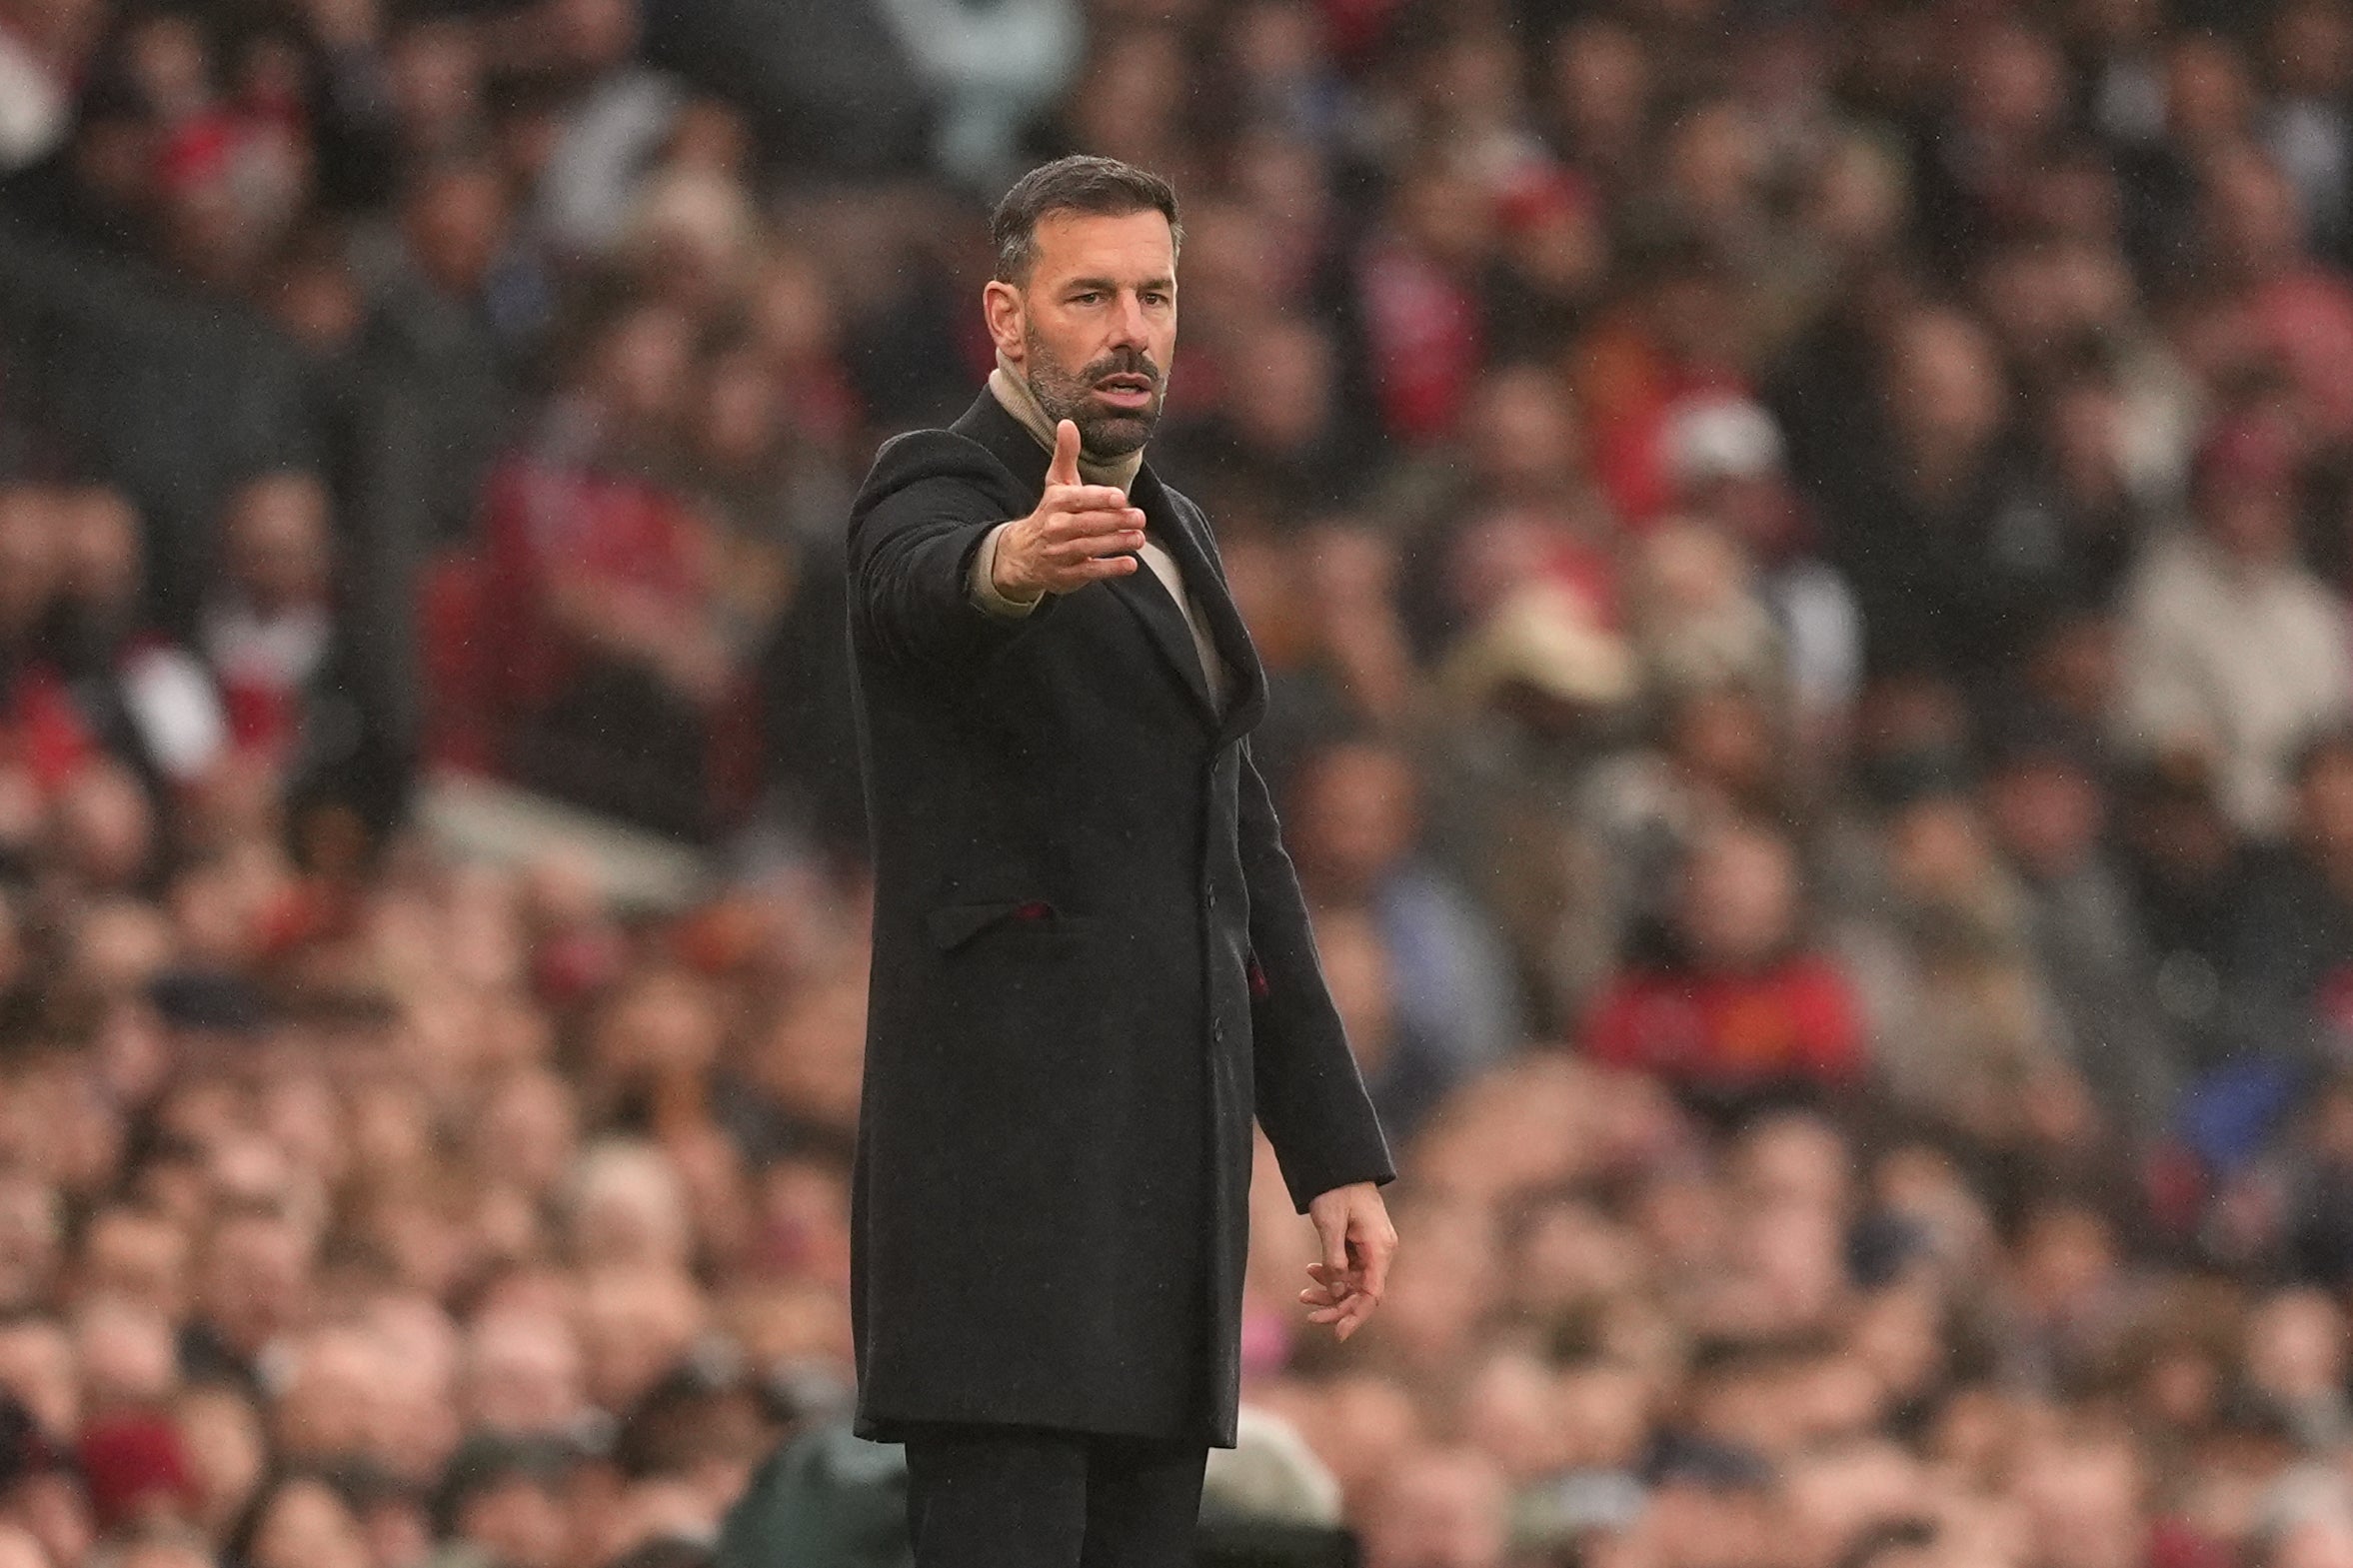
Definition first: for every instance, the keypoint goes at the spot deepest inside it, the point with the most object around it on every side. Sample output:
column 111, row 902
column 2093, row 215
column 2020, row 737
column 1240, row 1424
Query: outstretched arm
column 932, row 582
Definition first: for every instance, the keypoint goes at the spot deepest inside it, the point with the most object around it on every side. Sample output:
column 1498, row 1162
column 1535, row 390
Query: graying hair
column 1098, row 187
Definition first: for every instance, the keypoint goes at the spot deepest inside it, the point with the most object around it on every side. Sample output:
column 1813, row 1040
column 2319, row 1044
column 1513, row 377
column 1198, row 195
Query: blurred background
column 1801, row 547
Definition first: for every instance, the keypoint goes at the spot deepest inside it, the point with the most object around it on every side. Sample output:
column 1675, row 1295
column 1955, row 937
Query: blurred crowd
column 1801, row 548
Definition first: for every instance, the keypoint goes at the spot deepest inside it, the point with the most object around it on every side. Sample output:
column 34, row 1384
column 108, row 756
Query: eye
column 1089, row 297
column 1155, row 297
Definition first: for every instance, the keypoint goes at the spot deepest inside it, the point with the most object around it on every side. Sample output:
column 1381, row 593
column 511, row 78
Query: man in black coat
column 1092, row 962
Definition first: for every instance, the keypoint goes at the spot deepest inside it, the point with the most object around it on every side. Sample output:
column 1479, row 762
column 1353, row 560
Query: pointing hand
column 1078, row 534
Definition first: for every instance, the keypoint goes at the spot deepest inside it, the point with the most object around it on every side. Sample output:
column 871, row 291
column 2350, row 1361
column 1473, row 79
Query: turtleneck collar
column 1012, row 389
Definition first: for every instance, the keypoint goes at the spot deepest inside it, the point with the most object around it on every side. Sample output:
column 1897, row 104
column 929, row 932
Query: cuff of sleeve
column 1304, row 1194
column 982, row 588
column 1339, row 1168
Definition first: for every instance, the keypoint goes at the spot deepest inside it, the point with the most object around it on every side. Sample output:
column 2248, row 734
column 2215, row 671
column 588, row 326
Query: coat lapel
column 1142, row 592
column 988, row 424
column 1180, row 528
column 1163, row 620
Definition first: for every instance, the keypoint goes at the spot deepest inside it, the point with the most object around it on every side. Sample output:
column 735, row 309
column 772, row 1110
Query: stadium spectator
column 2233, row 589
column 1451, row 1008
column 1738, row 1007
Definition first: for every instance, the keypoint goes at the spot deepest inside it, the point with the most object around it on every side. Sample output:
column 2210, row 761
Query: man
column 2234, row 651
column 1092, row 964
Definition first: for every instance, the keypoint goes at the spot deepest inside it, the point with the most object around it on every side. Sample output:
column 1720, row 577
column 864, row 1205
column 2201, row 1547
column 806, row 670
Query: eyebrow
column 1111, row 285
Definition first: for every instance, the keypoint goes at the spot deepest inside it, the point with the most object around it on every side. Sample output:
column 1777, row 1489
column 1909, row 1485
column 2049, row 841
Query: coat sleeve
column 915, row 529
column 1311, row 1100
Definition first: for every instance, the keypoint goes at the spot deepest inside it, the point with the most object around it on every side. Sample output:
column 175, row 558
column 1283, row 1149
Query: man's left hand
column 1359, row 1243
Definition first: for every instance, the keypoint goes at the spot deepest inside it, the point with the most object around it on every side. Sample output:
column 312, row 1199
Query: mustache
column 1121, row 362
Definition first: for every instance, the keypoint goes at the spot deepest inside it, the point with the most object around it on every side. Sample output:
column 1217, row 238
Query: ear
column 1006, row 313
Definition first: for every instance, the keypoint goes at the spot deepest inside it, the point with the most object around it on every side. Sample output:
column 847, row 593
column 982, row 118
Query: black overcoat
column 1091, row 967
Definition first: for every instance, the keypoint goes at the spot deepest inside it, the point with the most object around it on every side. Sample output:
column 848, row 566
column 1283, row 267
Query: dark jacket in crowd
column 1092, row 966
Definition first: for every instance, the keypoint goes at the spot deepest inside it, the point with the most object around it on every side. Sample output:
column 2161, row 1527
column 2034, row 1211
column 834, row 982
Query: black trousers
column 1017, row 1497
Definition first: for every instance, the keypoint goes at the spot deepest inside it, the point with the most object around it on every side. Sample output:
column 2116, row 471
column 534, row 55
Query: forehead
column 1127, row 248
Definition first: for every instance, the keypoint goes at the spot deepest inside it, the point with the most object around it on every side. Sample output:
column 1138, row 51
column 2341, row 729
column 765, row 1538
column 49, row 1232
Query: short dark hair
column 1098, row 187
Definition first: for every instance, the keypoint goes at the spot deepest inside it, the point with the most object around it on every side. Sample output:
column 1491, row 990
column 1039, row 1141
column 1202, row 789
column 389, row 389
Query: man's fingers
column 1075, row 552
column 1093, row 569
column 1358, row 1307
column 1338, row 1301
column 1358, row 1244
column 1064, row 558
column 1064, row 470
column 1082, row 533
column 1376, row 1255
column 1346, row 1318
column 1076, row 525
column 1059, row 498
column 1334, row 1233
column 1336, row 1284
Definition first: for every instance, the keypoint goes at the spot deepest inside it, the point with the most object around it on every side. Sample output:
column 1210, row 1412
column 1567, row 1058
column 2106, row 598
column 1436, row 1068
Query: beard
column 1103, row 430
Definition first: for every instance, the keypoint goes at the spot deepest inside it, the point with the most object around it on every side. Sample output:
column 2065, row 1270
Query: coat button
column 1212, row 897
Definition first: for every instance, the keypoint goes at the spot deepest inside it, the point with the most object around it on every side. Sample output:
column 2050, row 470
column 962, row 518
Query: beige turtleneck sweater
column 1012, row 391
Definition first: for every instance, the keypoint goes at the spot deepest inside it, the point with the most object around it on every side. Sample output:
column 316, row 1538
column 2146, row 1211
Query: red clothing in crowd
column 547, row 523
column 1795, row 1019
column 265, row 661
column 634, row 545
column 1422, row 330
column 1633, row 388
column 43, row 731
column 2303, row 322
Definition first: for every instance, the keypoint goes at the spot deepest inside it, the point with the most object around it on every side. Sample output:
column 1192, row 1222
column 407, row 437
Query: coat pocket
column 952, row 926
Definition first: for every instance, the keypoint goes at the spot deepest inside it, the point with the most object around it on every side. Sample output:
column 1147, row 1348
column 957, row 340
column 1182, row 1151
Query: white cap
column 1270, row 1476
column 1721, row 437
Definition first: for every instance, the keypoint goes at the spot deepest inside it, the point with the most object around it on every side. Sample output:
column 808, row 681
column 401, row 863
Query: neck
column 1012, row 389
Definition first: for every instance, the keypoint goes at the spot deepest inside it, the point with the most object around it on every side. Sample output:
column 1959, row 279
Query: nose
column 1127, row 327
